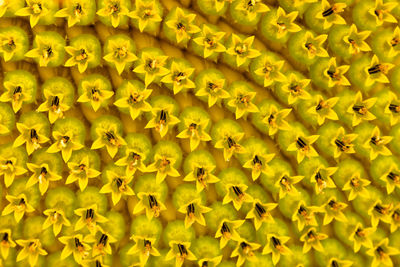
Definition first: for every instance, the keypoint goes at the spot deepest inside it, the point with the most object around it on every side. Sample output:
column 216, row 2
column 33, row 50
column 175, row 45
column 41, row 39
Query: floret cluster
column 199, row 133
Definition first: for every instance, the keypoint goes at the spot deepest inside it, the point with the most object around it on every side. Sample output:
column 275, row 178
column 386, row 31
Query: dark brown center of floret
column 78, row 9
column 394, row 177
column 238, row 192
column 190, row 210
column 342, row 145
column 225, row 231
column 89, row 215
column 82, row 55
column 394, row 108
column 154, row 205
column 260, row 210
column 17, row 93
column 103, row 240
column 182, row 250
column 257, row 162
column 360, row 109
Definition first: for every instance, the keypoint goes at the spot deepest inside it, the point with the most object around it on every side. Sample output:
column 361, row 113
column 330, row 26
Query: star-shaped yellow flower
column 133, row 160
column 211, row 41
column 260, row 212
column 391, row 178
column 16, row 93
column 56, row 218
column 109, row 138
column 120, row 54
column 46, row 50
column 395, row 219
column 80, row 56
column 6, row 243
column 8, row 44
column 258, row 163
column 36, row 9
column 360, row 109
column 75, row 245
column 275, row 119
column 42, row 174
column 215, row 261
column 202, row 174
column 135, row 100
column 118, row 186
column 305, row 215
column 195, row 131
column 164, row 166
column 382, row 12
column 74, row 11
column 243, row 103
column 180, row 252
column 392, row 108
column 218, row 5
column 152, row 66
column 179, row 77
column 356, row 186
column 19, row 205
column 276, row 246
column 89, row 217
column 271, row 71
column 194, row 211
column 5, row 4
column 324, row 109
column 333, row 210
column 183, row 24
column 101, row 242
column 230, row 145
column 150, row 201
column 214, row 90
column 242, row 49
column 376, row 144
column 115, row 10
column 31, row 249
column 252, row 8
column 380, row 212
column 81, row 172
column 303, row 146
column 376, row 71
column 330, row 13
column 342, row 142
column 312, row 239
column 296, row 88
column 342, row 263
column 144, row 247
column 226, row 231
column 145, row 13
column 393, row 44
column 66, row 143
column 356, row 40
column 286, row 185
column 335, row 74
column 54, row 104
column 381, row 253
column 31, row 136
column 10, row 167
column 244, row 251
column 313, row 45
column 95, row 93
column 284, row 23
column 162, row 120
column 237, row 195
column 322, row 178
column 360, row 236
